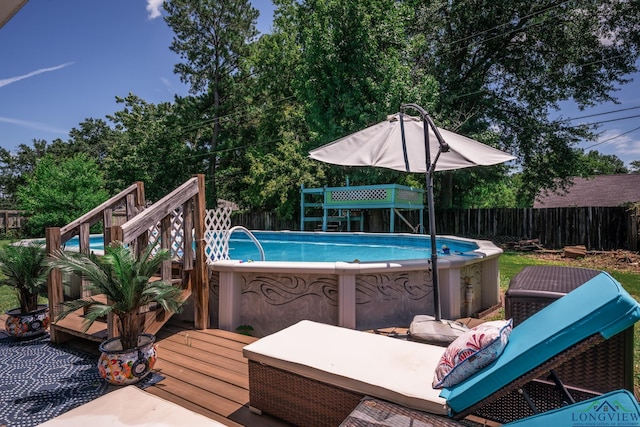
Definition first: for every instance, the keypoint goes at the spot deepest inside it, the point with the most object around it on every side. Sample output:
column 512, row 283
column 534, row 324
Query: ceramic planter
column 120, row 366
column 26, row 325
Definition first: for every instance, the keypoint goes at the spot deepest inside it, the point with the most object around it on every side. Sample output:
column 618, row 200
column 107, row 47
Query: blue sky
column 64, row 61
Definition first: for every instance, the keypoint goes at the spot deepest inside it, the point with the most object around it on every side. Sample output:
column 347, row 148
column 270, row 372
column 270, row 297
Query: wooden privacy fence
column 598, row 228
column 10, row 220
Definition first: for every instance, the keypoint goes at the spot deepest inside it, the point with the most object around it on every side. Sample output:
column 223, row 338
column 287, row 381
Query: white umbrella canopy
column 401, row 143
column 381, row 145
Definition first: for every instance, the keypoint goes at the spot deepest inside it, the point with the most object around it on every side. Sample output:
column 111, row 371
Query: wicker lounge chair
column 316, row 374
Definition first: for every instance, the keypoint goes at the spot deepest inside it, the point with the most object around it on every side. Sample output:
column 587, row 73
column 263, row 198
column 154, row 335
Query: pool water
column 296, row 246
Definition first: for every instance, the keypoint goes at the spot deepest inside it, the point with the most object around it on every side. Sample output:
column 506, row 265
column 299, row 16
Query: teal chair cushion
column 600, row 305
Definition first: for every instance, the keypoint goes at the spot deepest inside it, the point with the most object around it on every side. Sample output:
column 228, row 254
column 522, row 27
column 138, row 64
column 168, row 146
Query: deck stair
column 176, row 221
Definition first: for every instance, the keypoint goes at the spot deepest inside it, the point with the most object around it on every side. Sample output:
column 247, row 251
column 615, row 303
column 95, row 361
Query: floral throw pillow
column 471, row 352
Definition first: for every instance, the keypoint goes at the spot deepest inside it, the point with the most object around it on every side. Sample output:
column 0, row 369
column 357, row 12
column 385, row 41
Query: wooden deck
column 204, row 372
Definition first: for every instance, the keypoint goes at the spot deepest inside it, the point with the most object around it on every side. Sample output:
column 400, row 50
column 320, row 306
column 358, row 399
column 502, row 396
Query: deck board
column 204, row 372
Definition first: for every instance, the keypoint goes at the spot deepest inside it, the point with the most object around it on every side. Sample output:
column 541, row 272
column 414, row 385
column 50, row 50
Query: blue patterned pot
column 26, row 325
column 120, row 366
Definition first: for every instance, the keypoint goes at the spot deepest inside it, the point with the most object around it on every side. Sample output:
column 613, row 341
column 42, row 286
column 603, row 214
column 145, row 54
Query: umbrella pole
column 443, row 147
column 434, row 248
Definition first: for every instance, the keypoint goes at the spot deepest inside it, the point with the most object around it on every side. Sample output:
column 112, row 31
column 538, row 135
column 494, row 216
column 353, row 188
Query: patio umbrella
column 405, row 143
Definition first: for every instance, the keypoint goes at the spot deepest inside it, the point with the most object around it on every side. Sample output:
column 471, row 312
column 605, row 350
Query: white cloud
column 626, row 146
column 33, row 125
column 154, row 8
column 623, row 144
column 167, row 84
column 4, row 82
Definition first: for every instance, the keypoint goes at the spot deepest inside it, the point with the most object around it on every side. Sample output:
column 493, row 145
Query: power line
column 230, row 116
column 602, row 114
column 613, row 137
column 498, row 26
column 614, row 120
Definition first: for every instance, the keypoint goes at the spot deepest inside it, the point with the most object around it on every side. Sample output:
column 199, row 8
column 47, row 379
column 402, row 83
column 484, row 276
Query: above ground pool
column 295, row 246
column 356, row 280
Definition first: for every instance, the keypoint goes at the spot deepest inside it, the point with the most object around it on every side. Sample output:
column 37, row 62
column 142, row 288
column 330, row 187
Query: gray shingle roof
column 600, row 190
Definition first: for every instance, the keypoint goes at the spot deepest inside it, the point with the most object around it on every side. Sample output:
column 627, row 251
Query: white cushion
column 130, row 406
column 375, row 365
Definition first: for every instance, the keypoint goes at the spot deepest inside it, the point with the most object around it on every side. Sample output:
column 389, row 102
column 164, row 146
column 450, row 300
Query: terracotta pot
column 26, row 325
column 120, row 366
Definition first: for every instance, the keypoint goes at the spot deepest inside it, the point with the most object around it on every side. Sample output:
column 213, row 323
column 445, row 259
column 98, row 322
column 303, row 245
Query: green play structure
column 344, row 205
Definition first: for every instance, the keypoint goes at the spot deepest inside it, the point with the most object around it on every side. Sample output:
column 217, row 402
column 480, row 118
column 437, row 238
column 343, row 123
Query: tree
column 595, row 163
column 14, row 168
column 506, row 65
column 354, row 69
column 149, row 148
column 272, row 163
column 635, row 166
column 93, row 137
column 347, row 64
column 213, row 38
column 274, row 179
column 59, row 191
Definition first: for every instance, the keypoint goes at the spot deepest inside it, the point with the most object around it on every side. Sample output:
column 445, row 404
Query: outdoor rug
column 40, row 380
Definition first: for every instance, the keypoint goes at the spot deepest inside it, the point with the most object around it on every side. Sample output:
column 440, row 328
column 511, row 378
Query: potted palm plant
column 128, row 284
column 24, row 268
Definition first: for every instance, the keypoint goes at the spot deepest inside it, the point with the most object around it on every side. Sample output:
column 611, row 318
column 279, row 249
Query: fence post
column 54, row 282
column 200, row 281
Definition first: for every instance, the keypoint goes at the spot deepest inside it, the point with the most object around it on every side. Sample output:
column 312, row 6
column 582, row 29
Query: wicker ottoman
column 606, row 367
column 372, row 412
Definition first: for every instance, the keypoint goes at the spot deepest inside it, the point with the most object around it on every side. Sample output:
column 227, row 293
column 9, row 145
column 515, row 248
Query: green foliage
column 354, row 68
column 345, row 66
column 14, row 168
column 149, row 148
column 23, row 268
column 506, row 65
column 491, row 193
column 273, row 180
column 595, row 163
column 213, row 37
column 494, row 71
column 126, row 281
column 93, row 137
column 57, row 192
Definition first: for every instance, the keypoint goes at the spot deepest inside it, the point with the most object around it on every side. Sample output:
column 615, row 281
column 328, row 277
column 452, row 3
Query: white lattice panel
column 175, row 248
column 217, row 224
column 369, row 194
column 154, row 237
column 177, row 220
